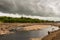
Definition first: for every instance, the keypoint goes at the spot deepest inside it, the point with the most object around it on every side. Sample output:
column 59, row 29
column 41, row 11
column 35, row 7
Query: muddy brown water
column 26, row 35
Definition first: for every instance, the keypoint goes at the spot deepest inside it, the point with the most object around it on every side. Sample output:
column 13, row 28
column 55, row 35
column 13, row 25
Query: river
column 26, row 35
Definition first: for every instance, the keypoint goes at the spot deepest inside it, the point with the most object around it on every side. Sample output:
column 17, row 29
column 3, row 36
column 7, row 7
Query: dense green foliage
column 21, row 20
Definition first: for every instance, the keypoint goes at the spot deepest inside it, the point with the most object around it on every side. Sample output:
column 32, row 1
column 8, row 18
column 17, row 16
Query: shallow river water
column 26, row 35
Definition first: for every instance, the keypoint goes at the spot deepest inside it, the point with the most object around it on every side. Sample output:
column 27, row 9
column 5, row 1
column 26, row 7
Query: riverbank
column 53, row 36
column 5, row 28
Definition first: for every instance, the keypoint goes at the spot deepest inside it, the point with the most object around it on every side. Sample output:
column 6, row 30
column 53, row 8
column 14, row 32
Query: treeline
column 21, row 20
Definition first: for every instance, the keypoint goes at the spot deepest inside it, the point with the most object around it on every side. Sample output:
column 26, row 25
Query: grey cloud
column 31, row 7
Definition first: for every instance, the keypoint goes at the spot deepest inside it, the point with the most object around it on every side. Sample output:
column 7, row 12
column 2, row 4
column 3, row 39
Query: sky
column 42, row 9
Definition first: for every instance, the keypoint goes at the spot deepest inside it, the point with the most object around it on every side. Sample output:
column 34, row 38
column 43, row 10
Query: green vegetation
column 21, row 20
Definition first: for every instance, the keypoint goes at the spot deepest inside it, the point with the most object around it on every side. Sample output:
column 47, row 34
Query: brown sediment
column 35, row 38
column 35, row 27
column 53, row 36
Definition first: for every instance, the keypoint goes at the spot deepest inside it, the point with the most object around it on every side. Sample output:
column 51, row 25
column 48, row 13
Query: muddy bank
column 53, row 36
column 25, row 24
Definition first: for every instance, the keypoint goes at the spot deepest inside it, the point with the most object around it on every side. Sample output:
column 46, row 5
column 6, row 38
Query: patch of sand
column 35, row 27
column 35, row 38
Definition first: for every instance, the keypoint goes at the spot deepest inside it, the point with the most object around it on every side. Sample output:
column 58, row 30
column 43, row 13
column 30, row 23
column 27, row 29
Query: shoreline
column 53, row 36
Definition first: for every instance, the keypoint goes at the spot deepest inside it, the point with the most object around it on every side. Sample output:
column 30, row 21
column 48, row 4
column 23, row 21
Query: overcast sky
column 42, row 8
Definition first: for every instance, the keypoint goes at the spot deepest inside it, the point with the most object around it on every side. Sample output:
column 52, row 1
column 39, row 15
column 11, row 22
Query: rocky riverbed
column 6, row 28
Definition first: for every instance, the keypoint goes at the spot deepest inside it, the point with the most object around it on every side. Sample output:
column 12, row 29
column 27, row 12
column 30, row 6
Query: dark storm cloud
column 31, row 7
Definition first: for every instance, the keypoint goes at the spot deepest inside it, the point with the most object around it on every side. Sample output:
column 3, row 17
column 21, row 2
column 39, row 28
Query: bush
column 21, row 20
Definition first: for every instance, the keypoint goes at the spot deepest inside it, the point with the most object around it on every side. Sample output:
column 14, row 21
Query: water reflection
column 27, row 35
